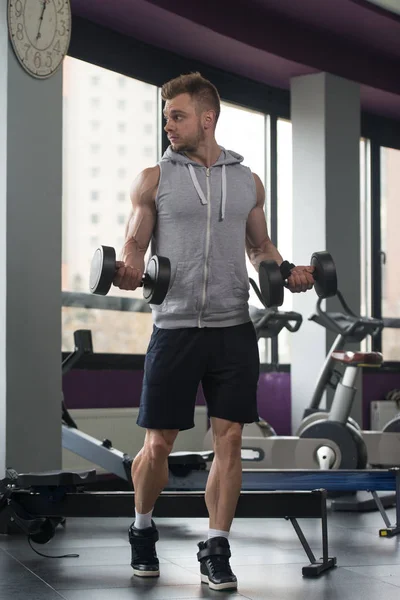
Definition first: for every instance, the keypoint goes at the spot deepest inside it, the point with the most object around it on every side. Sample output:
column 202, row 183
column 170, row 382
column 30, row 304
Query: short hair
column 197, row 87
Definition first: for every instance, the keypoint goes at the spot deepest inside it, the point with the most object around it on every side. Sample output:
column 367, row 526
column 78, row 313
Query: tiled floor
column 266, row 557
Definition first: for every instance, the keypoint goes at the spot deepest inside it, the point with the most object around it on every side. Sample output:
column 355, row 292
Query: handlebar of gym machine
column 289, row 319
column 83, row 345
column 353, row 323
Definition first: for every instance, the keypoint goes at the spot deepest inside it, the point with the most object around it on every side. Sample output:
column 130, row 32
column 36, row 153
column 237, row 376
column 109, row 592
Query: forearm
column 138, row 232
column 267, row 251
column 132, row 254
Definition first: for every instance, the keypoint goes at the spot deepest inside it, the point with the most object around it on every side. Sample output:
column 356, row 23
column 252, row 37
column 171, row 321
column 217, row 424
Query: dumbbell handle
column 145, row 277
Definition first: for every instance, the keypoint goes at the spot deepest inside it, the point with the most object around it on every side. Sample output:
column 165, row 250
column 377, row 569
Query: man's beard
column 190, row 146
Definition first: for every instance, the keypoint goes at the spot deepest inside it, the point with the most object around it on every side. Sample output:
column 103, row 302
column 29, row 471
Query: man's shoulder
column 150, row 173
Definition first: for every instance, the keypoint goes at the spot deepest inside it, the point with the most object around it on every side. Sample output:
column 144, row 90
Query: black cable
column 49, row 555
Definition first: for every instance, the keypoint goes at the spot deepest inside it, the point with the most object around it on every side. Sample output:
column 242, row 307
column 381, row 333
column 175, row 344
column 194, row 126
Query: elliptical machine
column 350, row 328
column 382, row 447
column 268, row 323
column 393, row 425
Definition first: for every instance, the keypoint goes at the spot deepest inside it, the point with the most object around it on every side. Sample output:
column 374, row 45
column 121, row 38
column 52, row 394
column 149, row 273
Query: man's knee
column 158, row 443
column 227, row 437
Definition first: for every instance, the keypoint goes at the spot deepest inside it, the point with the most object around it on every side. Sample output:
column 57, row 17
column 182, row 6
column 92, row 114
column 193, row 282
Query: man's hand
column 300, row 279
column 126, row 277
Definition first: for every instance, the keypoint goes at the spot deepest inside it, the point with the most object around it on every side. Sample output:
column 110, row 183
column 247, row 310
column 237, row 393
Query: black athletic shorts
column 224, row 359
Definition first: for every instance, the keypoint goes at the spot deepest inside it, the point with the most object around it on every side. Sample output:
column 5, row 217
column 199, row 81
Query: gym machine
column 350, row 328
column 382, row 447
column 36, row 503
column 393, row 425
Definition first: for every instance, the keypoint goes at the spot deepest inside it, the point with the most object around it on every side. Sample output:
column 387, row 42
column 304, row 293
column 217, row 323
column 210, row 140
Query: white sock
column 217, row 533
column 143, row 521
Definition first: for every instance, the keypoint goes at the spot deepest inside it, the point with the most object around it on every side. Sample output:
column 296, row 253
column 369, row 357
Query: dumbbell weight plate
column 271, row 283
column 102, row 270
column 324, row 274
column 156, row 279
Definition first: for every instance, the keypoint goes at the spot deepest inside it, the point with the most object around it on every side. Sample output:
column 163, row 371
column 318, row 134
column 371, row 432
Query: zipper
column 208, row 235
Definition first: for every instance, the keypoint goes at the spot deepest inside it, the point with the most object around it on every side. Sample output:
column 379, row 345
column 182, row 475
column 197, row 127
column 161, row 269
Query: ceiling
column 270, row 41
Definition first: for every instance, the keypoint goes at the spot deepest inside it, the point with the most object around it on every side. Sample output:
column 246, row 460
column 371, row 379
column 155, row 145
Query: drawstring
column 200, row 192
column 223, row 200
column 197, row 185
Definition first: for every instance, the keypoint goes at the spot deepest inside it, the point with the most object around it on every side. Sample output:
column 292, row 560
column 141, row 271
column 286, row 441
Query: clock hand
column 41, row 19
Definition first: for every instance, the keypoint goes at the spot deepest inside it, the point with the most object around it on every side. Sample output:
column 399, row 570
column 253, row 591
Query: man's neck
column 206, row 155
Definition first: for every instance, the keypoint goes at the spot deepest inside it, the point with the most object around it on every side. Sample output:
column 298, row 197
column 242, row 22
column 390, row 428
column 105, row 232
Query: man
column 202, row 209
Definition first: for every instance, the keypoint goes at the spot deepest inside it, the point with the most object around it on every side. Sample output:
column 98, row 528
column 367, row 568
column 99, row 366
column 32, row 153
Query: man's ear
column 209, row 119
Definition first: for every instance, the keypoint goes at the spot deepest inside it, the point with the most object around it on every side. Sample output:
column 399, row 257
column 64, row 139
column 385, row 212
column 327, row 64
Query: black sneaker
column 215, row 569
column 144, row 556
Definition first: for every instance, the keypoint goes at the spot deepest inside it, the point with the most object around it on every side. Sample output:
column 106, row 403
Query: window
column 285, row 220
column 244, row 132
column 121, row 127
column 148, row 151
column 148, row 129
column 390, row 249
column 121, row 150
column 365, row 234
column 95, row 125
column 84, row 229
column 149, row 106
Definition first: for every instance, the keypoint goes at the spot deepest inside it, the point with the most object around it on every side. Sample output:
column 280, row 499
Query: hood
column 227, row 157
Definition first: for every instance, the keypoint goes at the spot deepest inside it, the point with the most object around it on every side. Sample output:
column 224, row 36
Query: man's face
column 183, row 124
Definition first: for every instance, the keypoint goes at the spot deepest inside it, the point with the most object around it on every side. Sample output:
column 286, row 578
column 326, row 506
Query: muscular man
column 203, row 209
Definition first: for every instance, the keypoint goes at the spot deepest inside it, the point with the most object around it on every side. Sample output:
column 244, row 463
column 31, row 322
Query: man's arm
column 139, row 229
column 258, row 243
column 259, row 246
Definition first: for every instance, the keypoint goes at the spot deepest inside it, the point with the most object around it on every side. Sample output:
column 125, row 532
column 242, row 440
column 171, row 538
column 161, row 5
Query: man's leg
column 230, row 389
column 149, row 477
column 150, row 467
column 225, row 477
column 222, row 493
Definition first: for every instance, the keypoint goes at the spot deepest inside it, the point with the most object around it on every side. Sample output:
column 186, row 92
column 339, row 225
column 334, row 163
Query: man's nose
column 168, row 126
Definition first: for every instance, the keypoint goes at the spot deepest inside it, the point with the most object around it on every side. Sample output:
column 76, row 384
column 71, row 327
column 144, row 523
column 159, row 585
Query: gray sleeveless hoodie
column 201, row 228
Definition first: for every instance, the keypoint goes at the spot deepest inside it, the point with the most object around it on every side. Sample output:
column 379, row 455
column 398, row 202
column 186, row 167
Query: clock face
column 40, row 31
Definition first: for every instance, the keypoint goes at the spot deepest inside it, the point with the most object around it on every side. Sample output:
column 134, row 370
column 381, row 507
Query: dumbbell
column 272, row 278
column 155, row 280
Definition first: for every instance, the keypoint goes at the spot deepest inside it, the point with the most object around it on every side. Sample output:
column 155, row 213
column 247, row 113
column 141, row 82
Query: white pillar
column 325, row 114
column 30, row 264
